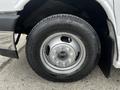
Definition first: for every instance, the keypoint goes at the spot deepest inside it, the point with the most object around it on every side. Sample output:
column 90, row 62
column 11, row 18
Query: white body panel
column 12, row 5
column 110, row 6
column 117, row 17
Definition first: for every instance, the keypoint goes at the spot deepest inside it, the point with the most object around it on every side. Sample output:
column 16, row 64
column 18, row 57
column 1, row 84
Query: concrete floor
column 17, row 75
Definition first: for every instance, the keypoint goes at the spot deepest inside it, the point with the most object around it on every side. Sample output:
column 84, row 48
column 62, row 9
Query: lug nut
column 55, row 51
column 71, row 54
column 53, row 57
column 67, row 49
column 69, row 60
column 57, row 63
column 63, row 64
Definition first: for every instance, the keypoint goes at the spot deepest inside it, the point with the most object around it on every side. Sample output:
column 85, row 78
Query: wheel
column 63, row 48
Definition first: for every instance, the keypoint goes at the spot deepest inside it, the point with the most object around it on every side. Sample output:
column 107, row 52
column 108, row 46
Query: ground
column 17, row 75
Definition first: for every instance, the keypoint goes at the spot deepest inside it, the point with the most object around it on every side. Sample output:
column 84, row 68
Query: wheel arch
column 108, row 19
column 108, row 7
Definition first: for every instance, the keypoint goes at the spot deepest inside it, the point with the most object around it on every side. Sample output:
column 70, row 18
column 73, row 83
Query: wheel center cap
column 62, row 55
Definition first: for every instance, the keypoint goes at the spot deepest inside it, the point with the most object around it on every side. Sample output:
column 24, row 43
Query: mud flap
column 109, row 50
column 7, row 41
column 106, row 57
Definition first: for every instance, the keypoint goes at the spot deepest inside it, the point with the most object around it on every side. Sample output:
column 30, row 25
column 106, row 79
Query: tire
column 63, row 24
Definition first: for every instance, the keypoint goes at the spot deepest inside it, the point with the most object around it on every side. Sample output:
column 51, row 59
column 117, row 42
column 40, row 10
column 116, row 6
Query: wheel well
column 36, row 10
column 89, row 10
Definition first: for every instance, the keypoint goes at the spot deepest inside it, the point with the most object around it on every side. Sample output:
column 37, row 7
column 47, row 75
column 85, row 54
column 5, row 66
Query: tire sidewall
column 48, row 27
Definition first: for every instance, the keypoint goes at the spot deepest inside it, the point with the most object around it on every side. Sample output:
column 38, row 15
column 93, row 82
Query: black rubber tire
column 63, row 23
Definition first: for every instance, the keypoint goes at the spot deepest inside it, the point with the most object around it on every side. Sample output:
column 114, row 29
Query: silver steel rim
column 62, row 53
